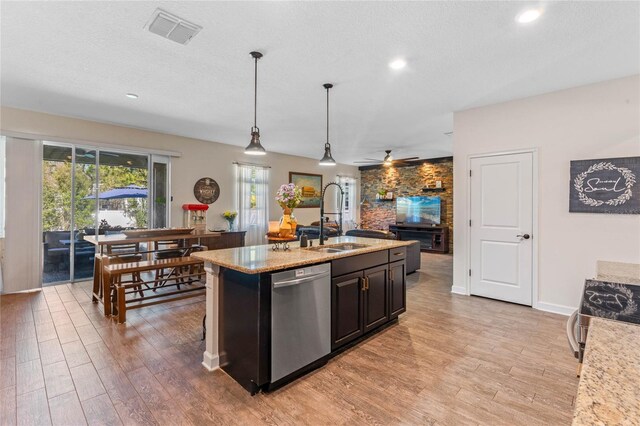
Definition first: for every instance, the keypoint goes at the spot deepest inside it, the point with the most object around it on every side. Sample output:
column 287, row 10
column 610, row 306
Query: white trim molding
column 459, row 289
column 553, row 308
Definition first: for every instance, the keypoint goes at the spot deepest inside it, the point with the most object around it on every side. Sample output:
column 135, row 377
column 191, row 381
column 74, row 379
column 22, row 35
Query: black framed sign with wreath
column 606, row 185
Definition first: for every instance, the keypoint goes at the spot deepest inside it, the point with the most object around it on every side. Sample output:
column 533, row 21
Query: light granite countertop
column 257, row 259
column 609, row 389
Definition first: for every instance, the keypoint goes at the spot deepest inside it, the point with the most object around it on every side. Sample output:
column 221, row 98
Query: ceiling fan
column 388, row 160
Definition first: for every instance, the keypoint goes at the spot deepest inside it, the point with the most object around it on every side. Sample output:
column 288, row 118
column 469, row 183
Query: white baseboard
column 210, row 362
column 459, row 290
column 556, row 309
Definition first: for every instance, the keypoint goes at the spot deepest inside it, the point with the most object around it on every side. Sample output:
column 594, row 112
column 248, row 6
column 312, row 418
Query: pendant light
column 388, row 159
column 327, row 159
column 254, row 147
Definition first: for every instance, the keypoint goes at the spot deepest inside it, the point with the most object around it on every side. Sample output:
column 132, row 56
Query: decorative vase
column 230, row 222
column 288, row 224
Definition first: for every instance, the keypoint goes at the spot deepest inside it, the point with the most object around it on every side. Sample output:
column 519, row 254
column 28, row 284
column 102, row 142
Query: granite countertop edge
column 279, row 260
column 608, row 392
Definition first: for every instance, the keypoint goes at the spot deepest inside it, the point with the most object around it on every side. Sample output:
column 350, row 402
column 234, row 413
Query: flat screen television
column 423, row 210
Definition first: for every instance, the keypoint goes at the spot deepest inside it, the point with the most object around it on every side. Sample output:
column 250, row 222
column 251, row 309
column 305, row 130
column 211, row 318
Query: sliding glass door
column 89, row 191
column 123, row 192
column 83, row 211
column 57, row 181
column 160, row 191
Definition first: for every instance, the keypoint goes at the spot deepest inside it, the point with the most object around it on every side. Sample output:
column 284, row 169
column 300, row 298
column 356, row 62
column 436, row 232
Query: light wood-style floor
column 450, row 360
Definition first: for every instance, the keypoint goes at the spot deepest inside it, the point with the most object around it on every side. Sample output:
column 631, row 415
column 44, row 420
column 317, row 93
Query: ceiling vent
column 172, row 27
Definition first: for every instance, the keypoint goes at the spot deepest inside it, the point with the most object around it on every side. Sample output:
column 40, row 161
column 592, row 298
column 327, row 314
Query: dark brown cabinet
column 375, row 306
column 346, row 310
column 224, row 240
column 363, row 295
column 359, row 304
column 397, row 289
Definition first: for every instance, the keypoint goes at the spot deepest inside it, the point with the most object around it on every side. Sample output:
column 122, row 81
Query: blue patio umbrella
column 130, row 191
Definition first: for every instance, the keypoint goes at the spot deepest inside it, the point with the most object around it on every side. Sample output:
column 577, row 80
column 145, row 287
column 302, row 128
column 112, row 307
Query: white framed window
column 252, row 201
column 348, row 185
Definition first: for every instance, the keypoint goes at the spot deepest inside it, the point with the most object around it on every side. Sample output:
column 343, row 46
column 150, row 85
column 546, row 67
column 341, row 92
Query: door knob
column 525, row 236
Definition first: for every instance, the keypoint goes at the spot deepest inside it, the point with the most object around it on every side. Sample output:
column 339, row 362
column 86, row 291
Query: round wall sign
column 206, row 190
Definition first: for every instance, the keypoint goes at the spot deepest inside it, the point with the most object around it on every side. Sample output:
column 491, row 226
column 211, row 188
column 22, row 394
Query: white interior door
column 501, row 249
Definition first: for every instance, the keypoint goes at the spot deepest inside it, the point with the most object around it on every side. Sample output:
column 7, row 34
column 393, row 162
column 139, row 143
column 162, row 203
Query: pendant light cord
column 328, row 116
column 255, row 94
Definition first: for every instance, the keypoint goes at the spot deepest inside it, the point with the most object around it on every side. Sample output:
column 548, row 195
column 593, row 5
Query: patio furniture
column 55, row 252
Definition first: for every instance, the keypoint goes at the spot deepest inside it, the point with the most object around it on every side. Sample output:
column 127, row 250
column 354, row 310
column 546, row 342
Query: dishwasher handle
column 303, row 280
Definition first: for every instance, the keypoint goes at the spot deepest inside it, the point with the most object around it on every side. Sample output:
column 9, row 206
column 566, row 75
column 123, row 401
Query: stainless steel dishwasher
column 300, row 318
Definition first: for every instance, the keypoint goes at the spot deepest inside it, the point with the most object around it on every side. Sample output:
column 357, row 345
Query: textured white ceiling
column 80, row 58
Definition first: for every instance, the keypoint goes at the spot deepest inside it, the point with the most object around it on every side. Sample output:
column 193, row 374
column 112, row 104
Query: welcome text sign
column 608, row 185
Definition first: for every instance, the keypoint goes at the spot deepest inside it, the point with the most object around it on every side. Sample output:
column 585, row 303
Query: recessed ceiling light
column 398, row 64
column 132, row 96
column 529, row 15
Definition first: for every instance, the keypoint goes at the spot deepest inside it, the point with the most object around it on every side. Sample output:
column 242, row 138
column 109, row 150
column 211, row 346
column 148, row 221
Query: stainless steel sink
column 338, row 248
column 327, row 249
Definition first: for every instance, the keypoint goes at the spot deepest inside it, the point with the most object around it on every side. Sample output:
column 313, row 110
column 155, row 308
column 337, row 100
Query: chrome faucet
column 322, row 238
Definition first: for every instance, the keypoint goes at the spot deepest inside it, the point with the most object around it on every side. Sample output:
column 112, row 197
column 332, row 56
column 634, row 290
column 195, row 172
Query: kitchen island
column 363, row 291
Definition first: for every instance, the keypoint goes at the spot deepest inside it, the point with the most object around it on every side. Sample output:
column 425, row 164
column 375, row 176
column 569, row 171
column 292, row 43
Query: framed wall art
column 311, row 188
column 607, row 185
column 206, row 190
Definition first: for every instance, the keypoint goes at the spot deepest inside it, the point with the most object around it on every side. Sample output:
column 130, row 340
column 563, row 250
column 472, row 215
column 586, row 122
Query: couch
column 313, row 232
column 413, row 249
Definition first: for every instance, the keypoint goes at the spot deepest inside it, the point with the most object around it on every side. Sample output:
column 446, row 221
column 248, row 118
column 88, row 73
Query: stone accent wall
column 405, row 181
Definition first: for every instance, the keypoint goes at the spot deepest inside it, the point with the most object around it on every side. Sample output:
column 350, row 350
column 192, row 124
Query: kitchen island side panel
column 244, row 344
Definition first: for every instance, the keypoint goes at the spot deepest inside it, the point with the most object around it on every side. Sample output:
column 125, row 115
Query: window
column 348, row 185
column 252, row 201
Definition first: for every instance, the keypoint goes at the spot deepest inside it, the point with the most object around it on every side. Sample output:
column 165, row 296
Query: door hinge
column 469, row 222
column 469, row 272
column 469, row 173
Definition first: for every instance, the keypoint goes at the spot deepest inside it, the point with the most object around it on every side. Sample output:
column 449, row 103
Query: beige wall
column 595, row 121
column 198, row 158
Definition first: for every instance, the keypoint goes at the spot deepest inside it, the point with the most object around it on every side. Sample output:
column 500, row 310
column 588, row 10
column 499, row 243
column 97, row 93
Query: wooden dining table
column 103, row 242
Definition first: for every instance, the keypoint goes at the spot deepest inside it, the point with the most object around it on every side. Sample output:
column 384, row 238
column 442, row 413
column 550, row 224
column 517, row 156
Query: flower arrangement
column 230, row 216
column 289, row 196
